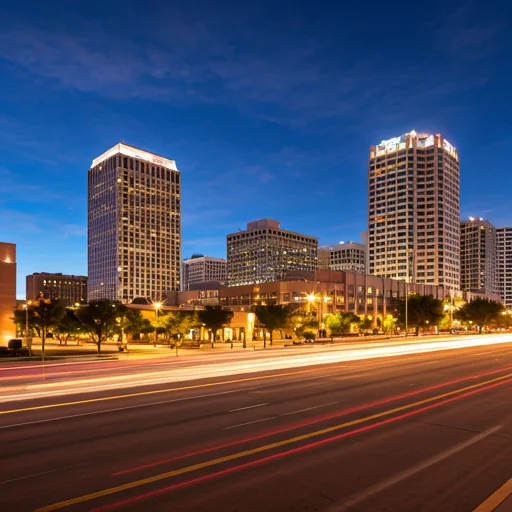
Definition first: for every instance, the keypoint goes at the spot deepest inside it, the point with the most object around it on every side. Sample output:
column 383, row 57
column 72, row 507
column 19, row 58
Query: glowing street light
column 157, row 306
column 25, row 307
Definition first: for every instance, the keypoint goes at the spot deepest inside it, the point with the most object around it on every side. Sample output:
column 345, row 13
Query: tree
column 271, row 317
column 146, row 327
column 68, row 325
column 129, row 322
column 341, row 323
column 365, row 324
column 303, row 321
column 178, row 325
column 389, row 324
column 47, row 314
column 481, row 312
column 422, row 310
column 20, row 319
column 99, row 318
column 215, row 318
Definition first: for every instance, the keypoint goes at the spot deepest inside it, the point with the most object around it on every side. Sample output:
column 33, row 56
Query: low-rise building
column 68, row 289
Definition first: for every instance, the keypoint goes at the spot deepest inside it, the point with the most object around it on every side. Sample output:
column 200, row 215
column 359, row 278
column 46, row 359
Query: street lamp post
column 157, row 305
column 25, row 306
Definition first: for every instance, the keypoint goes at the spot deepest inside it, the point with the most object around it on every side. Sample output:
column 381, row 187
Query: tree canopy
column 482, row 312
column 47, row 314
column 100, row 319
column 215, row 318
column 341, row 323
column 271, row 317
column 422, row 310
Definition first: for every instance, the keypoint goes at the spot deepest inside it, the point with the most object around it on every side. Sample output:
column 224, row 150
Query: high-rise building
column 345, row 256
column 478, row 256
column 199, row 269
column 134, row 244
column 7, row 291
column 68, row 289
column 504, row 264
column 264, row 252
column 414, row 210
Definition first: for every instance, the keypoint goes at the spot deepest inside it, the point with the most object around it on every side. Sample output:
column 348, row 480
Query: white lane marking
column 414, row 470
column 250, row 423
column 39, row 474
column 248, row 407
column 309, row 408
column 93, row 413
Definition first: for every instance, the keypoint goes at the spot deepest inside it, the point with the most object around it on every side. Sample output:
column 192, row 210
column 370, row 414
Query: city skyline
column 304, row 126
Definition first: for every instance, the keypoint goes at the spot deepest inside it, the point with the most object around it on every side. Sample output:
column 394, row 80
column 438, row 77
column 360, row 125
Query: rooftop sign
column 133, row 152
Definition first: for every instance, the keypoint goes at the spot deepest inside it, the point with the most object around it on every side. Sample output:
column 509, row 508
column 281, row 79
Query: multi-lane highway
column 421, row 431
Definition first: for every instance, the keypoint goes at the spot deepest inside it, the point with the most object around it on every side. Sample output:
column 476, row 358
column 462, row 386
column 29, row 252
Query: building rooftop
column 134, row 152
column 424, row 140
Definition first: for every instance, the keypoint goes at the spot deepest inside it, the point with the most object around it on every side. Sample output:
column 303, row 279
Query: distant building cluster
column 415, row 235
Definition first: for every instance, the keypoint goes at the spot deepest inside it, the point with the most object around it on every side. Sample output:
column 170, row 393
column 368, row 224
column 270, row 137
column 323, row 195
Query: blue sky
column 268, row 108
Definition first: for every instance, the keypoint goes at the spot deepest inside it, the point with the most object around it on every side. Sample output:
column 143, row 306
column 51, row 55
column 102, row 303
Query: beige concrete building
column 414, row 210
column 68, row 289
column 264, row 252
column 504, row 265
column 7, row 291
column 199, row 269
column 478, row 256
column 369, row 296
column 134, row 225
column 345, row 256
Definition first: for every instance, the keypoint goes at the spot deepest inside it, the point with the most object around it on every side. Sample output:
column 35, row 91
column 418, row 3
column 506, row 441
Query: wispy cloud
column 198, row 64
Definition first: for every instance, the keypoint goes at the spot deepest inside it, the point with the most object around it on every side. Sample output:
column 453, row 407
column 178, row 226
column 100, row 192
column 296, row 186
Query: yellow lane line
column 496, row 499
column 246, row 453
column 153, row 392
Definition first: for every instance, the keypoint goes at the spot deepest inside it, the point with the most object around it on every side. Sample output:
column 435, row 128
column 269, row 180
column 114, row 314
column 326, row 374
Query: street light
column 25, row 307
column 157, row 305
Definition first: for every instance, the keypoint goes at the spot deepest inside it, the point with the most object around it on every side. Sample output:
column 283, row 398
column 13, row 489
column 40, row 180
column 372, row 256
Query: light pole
column 157, row 305
column 25, row 307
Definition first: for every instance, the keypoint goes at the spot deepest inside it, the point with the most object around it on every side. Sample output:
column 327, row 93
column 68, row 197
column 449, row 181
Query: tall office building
column 504, row 265
column 345, row 256
column 478, row 256
column 67, row 289
column 264, row 252
column 134, row 242
column 199, row 269
column 414, row 210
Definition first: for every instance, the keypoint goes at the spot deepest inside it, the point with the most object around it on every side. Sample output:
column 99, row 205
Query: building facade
column 504, row 265
column 199, row 269
column 68, row 289
column 346, row 256
column 7, row 291
column 134, row 219
column 264, row 252
column 478, row 256
column 414, row 210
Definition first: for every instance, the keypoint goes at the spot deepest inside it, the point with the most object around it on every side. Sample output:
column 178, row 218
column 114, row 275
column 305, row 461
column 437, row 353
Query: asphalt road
column 423, row 432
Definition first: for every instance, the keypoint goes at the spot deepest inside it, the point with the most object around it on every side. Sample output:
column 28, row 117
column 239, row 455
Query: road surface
column 428, row 431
